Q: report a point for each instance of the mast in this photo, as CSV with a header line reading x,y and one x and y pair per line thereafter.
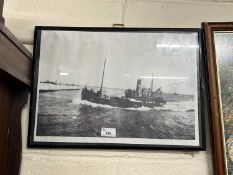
x,y
102,78
152,83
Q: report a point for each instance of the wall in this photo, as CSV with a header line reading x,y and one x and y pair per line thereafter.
x,y
21,17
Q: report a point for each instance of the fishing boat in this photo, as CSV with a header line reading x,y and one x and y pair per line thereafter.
x,y
132,99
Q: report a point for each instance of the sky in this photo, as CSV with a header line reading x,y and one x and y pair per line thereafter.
x,y
224,46
78,57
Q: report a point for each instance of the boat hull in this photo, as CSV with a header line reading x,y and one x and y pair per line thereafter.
x,y
96,97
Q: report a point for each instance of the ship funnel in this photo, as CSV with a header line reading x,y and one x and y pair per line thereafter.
x,y
139,88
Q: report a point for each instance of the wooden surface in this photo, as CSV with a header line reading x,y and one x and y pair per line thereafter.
x,y
12,99
5,101
216,117
15,80
15,59
2,20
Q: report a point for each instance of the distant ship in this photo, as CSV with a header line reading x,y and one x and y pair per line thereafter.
x,y
133,98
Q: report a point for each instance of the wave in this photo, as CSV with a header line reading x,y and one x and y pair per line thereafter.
x,y
95,105
185,106
143,108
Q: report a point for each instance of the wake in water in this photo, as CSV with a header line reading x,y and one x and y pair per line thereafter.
x,y
94,105
185,106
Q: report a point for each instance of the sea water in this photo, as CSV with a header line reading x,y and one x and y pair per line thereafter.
x,y
63,113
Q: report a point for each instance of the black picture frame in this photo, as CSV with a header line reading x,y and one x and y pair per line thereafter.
x,y
200,88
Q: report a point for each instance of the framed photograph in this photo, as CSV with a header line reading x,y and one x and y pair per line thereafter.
x,y
117,88
219,44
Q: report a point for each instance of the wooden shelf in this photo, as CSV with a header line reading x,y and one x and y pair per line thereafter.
x,y
15,82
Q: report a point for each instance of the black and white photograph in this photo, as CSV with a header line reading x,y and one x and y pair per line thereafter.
x,y
116,87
